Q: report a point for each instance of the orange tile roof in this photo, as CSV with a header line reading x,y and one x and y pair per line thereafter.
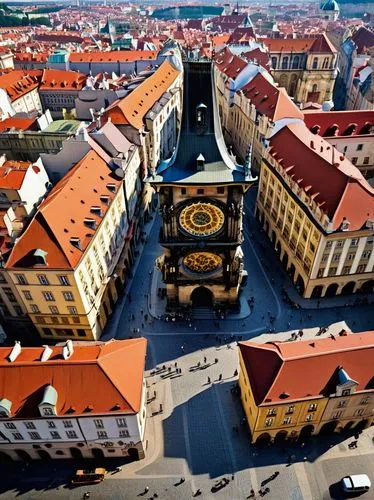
x,y
18,124
114,56
99,375
28,56
318,44
270,100
61,216
338,186
18,83
288,371
133,108
12,174
54,79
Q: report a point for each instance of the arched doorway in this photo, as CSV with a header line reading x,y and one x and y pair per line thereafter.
x,y
367,287
263,440
348,426
280,437
317,292
133,453
331,290
202,297
306,432
285,261
361,425
44,455
348,288
23,455
328,428
97,453
5,458
76,453
300,285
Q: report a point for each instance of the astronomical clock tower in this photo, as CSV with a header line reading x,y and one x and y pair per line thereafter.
x,y
201,203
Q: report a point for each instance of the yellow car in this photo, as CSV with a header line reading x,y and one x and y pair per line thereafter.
x,y
90,476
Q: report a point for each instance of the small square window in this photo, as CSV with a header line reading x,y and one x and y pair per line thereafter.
x,y
183,190
221,190
200,191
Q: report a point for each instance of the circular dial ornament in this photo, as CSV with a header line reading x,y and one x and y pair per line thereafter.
x,y
201,219
202,262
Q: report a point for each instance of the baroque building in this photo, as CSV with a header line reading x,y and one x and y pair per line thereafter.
x,y
44,415
201,197
282,403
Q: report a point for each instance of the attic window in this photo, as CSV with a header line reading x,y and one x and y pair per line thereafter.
x,y
91,223
76,242
111,187
105,199
96,210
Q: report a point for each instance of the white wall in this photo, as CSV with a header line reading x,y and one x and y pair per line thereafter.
x,y
34,186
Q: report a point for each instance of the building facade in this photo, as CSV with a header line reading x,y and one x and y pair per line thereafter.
x,y
350,132
79,420
68,284
305,67
282,404
318,211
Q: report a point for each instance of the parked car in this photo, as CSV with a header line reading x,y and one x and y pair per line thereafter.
x,y
358,483
90,476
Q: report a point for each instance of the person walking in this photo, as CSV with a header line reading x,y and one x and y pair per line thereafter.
x,y
220,377
235,373
208,380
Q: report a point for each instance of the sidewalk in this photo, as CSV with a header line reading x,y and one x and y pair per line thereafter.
x,y
113,322
274,268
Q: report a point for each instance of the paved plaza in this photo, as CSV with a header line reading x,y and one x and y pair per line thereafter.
x,y
192,438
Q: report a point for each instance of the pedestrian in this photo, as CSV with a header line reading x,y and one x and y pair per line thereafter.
x,y
235,373
208,380
204,359
220,377
176,364
169,369
215,360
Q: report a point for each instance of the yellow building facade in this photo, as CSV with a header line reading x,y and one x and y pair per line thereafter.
x,y
69,266
331,401
321,260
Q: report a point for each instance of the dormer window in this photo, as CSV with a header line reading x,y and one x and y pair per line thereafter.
x,y
47,406
91,223
105,199
5,408
76,242
345,386
111,187
96,211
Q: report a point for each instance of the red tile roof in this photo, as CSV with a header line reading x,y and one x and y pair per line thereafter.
x,y
54,79
12,174
18,124
257,55
336,184
241,35
114,56
98,375
289,371
228,63
269,100
61,216
18,82
133,108
319,44
340,123
364,39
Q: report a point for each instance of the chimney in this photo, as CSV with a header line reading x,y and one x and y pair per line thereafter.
x,y
68,349
46,354
16,351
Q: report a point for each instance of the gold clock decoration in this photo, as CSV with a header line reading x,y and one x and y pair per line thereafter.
x,y
202,262
201,219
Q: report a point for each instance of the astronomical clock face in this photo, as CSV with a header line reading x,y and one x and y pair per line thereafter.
x,y
202,262
201,219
